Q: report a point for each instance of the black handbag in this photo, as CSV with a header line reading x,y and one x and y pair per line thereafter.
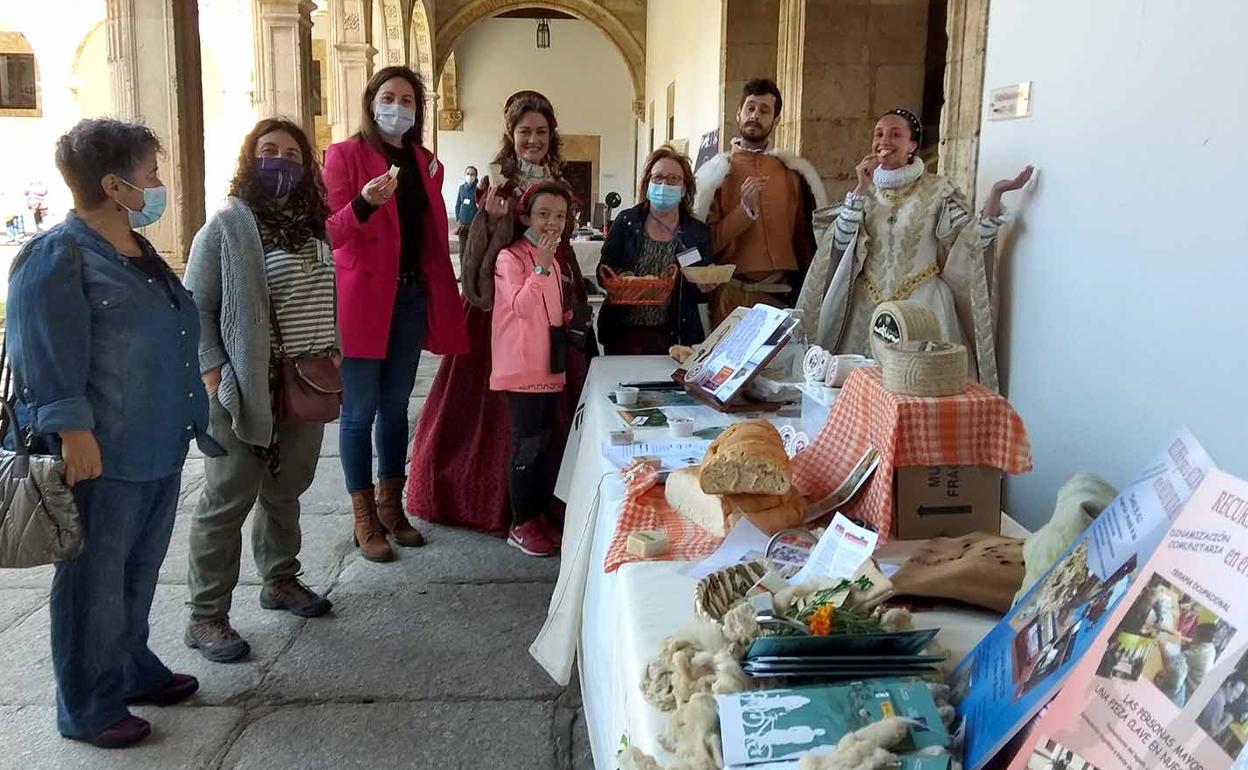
x,y
39,521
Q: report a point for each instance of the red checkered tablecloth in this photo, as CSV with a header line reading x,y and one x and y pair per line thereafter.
x,y
978,427
644,508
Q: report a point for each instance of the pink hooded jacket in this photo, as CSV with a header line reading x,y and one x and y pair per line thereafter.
x,y
526,306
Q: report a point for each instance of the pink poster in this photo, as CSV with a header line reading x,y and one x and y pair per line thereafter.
x,y
1165,683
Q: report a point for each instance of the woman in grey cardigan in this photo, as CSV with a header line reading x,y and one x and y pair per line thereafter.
x,y
263,256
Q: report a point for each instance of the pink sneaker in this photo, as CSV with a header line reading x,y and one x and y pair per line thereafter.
x,y
531,538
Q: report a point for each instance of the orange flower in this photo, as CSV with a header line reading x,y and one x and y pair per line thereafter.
x,y
820,623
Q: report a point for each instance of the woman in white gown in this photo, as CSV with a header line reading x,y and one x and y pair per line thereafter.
x,y
902,234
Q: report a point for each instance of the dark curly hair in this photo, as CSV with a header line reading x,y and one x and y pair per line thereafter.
x,y
97,147
308,195
508,161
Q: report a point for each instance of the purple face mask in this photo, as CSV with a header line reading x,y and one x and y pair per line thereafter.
x,y
278,175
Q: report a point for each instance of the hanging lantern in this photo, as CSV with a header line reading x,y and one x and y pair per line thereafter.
x,y
543,33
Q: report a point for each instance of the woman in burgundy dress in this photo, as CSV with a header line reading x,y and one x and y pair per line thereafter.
x,y
461,449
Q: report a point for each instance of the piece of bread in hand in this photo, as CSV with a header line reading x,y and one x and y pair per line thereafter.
x,y
747,458
770,513
680,353
684,493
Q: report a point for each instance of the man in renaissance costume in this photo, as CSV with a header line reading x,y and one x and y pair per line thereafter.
x,y
758,202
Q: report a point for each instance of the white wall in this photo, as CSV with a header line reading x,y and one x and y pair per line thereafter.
x,y
582,73
1125,313
683,47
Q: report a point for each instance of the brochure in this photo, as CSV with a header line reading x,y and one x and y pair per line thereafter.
x,y
673,455
1165,685
842,549
764,726
1016,669
735,351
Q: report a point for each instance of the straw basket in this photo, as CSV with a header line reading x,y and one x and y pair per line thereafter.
x,y
719,591
901,321
923,368
629,289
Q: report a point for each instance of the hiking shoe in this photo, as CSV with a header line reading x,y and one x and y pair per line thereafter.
x,y
177,689
216,640
293,596
531,538
126,731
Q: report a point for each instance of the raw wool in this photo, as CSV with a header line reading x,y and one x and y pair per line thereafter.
x,y
741,626
692,734
696,659
897,619
865,749
1079,501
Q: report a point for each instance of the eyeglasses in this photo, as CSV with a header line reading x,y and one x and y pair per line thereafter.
x,y
678,181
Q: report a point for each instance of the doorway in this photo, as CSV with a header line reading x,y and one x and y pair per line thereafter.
x,y
580,175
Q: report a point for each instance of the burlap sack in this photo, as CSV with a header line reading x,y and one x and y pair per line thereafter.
x,y
979,569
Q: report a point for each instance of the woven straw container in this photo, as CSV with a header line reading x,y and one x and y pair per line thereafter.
x,y
923,368
716,593
902,321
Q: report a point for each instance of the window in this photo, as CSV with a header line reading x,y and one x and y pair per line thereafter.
x,y
671,112
19,94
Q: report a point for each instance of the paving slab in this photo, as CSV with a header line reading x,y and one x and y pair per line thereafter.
x,y
26,663
448,736
450,556
582,752
326,539
17,603
444,642
181,737
35,577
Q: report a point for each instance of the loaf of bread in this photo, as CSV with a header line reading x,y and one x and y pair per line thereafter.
x,y
770,513
748,458
684,493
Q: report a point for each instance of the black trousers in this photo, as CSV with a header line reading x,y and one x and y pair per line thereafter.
x,y
527,479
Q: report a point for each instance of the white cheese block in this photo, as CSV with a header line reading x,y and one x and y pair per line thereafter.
x,y
684,493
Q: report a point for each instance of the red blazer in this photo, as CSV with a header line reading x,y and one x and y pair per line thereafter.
x,y
366,255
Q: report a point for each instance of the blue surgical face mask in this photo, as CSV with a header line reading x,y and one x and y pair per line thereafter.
x,y
393,120
663,197
532,236
153,205
279,176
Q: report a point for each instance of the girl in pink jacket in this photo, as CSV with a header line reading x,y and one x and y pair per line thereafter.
x,y
528,347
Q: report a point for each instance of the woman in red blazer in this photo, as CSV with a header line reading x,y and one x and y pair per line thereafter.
x,y
396,294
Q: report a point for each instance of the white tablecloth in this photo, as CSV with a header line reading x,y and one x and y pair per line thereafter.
x,y
587,255
615,622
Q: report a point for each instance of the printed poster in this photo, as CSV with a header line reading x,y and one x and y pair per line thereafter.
x,y
1166,685
1023,661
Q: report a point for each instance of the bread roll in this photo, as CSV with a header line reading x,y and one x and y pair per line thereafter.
x,y
685,495
680,353
748,458
770,513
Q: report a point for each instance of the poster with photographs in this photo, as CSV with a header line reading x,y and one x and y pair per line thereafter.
x,y
1167,685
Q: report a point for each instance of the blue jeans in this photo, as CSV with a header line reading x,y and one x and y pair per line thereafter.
x,y
377,390
100,602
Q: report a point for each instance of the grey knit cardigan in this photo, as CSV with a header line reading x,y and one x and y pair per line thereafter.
x,y
226,274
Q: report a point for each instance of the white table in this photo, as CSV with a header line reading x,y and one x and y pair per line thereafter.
x,y
615,622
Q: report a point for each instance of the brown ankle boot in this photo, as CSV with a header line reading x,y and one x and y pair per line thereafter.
x,y
390,512
370,538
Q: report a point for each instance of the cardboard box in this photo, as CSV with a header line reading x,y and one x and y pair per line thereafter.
x,y
946,501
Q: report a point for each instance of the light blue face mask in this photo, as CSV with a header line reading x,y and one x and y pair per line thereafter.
x,y
393,120
154,200
663,196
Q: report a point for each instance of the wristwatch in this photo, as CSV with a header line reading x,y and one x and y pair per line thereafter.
x,y
539,270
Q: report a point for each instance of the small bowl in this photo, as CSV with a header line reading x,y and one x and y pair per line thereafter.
x,y
626,395
681,427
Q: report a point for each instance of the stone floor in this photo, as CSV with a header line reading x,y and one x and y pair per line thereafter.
x,y
423,663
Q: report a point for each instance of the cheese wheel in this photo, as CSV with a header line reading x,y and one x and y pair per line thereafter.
x,y
900,321
923,368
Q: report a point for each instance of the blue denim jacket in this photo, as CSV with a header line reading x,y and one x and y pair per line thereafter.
x,y
96,344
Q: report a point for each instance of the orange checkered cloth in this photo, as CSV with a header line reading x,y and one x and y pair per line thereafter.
x,y
977,427
644,508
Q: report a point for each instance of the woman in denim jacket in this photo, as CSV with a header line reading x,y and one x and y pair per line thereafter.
x,y
104,343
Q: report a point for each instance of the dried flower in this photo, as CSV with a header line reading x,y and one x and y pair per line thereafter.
x,y
820,622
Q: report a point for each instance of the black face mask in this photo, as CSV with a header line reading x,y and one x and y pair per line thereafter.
x,y
279,176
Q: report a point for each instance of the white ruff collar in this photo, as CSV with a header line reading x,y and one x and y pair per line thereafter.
x,y
887,179
532,171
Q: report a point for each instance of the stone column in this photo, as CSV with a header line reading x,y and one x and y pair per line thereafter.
x,y
154,61
841,63
351,64
751,28
283,49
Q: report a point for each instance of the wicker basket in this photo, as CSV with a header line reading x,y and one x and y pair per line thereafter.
x,y
719,591
629,289
923,368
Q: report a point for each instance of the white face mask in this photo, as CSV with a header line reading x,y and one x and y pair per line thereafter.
x,y
393,120
470,179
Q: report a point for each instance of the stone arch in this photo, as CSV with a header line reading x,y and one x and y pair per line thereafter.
x,y
388,36
628,45
90,68
420,57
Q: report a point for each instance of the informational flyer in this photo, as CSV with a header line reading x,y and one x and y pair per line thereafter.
x,y
839,553
1023,661
1166,682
